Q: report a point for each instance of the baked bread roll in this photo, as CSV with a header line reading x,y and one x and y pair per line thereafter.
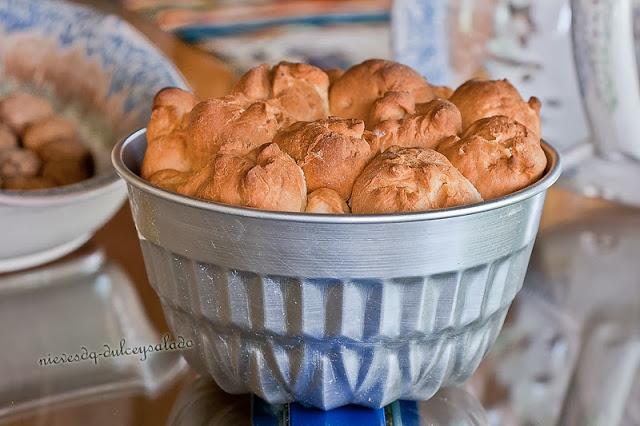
x,y
8,139
20,109
410,179
272,144
19,162
299,90
65,172
47,130
498,155
422,126
442,92
169,179
166,135
188,142
334,74
331,152
478,99
64,150
353,94
326,201
273,182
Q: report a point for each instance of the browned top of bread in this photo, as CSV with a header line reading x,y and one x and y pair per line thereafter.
x,y
187,141
272,182
166,133
299,90
352,94
271,144
20,109
478,99
331,152
326,201
410,179
47,130
423,126
498,155
391,106
334,74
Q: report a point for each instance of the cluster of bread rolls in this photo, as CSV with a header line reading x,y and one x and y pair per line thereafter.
x,y
377,138
38,149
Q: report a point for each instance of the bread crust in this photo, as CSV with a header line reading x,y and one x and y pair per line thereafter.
x,y
477,99
423,126
20,109
272,144
46,130
498,155
410,179
326,201
353,93
300,91
331,152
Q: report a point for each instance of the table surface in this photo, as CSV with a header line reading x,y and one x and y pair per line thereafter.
x,y
208,77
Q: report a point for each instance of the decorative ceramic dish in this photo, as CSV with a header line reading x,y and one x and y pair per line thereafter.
x,y
100,73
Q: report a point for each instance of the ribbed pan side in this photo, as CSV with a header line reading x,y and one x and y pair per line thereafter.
x,y
330,342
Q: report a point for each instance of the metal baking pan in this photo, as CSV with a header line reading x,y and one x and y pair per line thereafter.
x,y
329,310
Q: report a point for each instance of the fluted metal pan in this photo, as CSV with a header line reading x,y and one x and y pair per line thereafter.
x,y
329,310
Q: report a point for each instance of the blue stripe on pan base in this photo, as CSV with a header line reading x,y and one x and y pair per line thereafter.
x,y
351,415
400,413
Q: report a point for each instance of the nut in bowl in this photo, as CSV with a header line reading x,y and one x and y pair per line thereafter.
x,y
401,297
72,82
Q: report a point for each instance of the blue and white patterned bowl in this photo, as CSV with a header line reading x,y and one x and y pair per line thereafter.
x,y
102,74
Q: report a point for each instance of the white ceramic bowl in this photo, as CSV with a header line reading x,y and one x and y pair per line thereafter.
x,y
104,74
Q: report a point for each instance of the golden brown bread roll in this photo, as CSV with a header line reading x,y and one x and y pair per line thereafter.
x,y
170,179
299,90
331,152
425,126
19,162
223,126
498,155
442,92
229,125
8,139
170,105
65,172
255,127
64,150
326,201
220,181
352,95
410,179
272,182
391,106
275,183
166,138
334,74
20,109
271,141
478,99
47,130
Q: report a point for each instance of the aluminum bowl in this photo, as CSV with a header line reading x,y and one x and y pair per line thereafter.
x,y
329,310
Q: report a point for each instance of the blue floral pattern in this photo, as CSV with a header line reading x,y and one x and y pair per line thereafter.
x,y
137,69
